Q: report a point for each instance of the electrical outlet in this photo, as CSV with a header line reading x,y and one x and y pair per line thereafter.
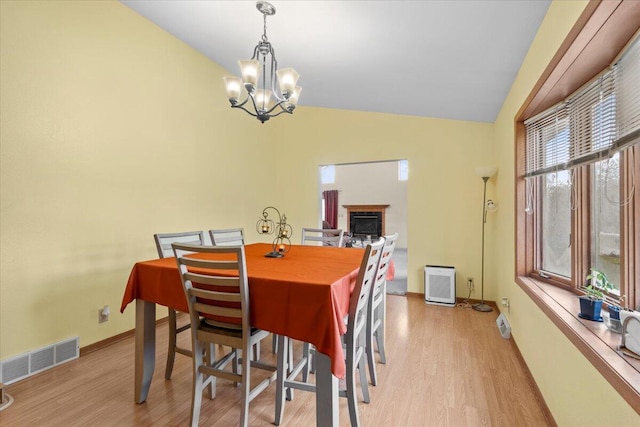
x,y
470,283
506,303
103,314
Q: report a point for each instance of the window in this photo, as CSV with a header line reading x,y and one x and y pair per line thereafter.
x,y
403,170
582,174
605,218
555,217
328,174
599,36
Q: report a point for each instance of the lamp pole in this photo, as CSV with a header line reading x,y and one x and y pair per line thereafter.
x,y
482,306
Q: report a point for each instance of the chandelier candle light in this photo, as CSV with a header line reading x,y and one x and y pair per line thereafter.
x,y
283,231
485,173
259,79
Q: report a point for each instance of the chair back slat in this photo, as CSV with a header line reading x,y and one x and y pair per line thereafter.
x,y
227,237
211,264
327,236
383,265
217,311
221,292
165,240
364,282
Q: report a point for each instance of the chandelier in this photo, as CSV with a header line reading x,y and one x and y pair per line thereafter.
x,y
259,73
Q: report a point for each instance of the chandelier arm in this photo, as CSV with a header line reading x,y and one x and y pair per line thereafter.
x,y
242,108
255,51
236,105
281,112
273,108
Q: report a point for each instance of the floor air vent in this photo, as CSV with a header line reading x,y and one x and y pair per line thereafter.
x,y
27,364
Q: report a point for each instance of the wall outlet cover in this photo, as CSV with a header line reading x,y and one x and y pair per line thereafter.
x,y
503,326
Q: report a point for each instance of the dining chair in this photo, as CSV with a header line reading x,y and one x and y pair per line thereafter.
x,y
232,237
354,343
227,237
326,236
376,309
215,284
163,245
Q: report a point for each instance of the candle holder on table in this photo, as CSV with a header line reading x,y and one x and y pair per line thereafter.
x,y
282,230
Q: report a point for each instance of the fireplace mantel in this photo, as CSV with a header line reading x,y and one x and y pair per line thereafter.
x,y
365,208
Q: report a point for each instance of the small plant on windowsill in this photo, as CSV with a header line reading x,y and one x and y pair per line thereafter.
x,y
591,303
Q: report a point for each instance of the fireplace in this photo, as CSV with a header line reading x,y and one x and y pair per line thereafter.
x,y
366,220
365,224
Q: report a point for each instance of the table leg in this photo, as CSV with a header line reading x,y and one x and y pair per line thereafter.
x,y
327,408
145,348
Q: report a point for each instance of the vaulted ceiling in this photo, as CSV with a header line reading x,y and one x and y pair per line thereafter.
x,y
444,59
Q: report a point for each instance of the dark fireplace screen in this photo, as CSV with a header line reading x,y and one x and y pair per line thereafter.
x,y
365,224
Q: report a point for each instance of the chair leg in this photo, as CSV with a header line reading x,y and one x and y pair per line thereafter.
x,y
246,387
234,362
364,385
210,356
306,353
361,361
382,314
171,352
351,388
282,374
256,352
290,365
371,359
274,343
198,385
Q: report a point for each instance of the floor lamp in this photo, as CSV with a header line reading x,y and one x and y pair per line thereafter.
x,y
485,173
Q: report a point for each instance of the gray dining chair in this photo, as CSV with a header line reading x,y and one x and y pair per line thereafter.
x,y
354,343
163,245
322,236
227,237
219,314
377,307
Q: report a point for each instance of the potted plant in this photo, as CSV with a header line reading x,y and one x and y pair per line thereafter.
x,y
614,309
591,303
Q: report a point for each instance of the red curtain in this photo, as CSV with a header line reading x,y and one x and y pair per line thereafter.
x,y
331,207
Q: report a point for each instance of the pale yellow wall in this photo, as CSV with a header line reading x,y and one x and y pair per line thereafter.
x,y
575,392
444,195
112,130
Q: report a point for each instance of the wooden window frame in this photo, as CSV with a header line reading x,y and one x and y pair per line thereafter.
x,y
600,34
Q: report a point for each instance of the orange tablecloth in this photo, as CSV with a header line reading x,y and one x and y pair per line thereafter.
x,y
304,295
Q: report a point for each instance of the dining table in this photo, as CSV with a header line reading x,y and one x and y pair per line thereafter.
x,y
303,295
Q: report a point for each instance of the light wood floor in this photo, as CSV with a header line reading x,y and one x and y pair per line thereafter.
x,y
446,367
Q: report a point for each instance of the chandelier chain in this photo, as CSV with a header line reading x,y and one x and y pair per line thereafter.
x,y
264,35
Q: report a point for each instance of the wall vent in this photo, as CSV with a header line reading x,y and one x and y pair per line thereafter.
x,y
27,364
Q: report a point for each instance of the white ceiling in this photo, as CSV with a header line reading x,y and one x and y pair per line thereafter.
x,y
451,59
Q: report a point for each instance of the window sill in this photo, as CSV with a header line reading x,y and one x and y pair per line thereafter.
x,y
597,343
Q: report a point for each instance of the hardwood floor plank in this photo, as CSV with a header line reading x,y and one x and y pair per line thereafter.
x,y
445,367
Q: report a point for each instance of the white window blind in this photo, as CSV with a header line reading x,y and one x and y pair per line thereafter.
x,y
628,95
594,123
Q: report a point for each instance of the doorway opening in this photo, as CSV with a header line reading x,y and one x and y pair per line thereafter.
x,y
365,200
